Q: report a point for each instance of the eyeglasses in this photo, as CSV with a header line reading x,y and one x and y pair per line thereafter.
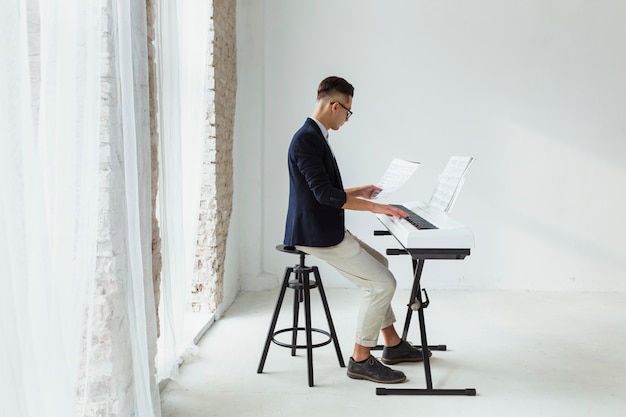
x,y
347,109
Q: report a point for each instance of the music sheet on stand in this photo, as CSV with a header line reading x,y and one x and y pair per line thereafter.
x,y
396,175
450,182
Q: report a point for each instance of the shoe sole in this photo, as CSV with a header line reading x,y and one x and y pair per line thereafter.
x,y
380,381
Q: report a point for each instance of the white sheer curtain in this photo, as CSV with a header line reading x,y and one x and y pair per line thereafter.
x,y
183,69
129,26
49,114
51,52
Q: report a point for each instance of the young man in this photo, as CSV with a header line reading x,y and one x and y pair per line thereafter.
x,y
315,225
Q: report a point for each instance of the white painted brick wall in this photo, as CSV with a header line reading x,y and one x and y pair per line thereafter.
x,y
217,176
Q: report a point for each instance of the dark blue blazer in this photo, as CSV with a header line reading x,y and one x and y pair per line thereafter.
x,y
316,195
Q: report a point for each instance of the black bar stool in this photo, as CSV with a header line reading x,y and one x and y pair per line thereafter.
x,y
301,285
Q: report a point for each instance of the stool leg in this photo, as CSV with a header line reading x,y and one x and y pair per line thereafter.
x,y
333,334
279,303
297,298
309,336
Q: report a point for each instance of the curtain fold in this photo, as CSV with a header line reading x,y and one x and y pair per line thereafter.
x,y
172,303
182,73
48,193
131,143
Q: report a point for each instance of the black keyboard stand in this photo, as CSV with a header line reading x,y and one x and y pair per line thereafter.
x,y
418,304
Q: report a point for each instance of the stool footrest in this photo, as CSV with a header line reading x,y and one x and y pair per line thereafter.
x,y
292,346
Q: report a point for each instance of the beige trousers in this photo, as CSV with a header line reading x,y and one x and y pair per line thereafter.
x,y
367,268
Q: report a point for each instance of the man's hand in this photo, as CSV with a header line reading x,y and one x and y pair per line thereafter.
x,y
389,211
358,198
364,191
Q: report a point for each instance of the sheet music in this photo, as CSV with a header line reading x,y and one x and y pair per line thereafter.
x,y
450,182
397,174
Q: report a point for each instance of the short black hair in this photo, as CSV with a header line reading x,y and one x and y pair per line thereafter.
x,y
333,84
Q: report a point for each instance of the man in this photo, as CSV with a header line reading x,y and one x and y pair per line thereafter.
x,y
315,225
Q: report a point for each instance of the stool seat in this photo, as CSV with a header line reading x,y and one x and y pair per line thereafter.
x,y
302,285
289,249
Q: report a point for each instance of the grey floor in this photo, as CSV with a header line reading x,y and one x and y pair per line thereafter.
x,y
526,354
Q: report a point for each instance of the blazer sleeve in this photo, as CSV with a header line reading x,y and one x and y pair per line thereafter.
x,y
318,167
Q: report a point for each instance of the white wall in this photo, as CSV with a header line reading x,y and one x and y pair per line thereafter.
x,y
535,90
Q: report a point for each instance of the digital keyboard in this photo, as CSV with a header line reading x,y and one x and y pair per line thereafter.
x,y
435,228
414,219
